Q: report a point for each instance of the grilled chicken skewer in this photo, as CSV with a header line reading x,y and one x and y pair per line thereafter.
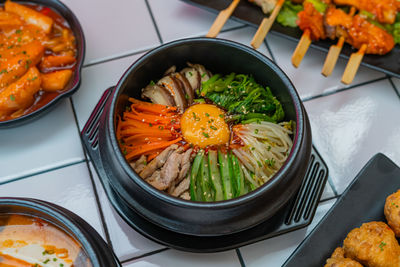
x,y
359,33
334,52
384,10
311,22
221,19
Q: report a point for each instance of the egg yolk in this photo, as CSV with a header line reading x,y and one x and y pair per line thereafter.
x,y
204,125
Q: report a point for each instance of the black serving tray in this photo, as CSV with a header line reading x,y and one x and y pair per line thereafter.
x,y
363,201
252,15
298,213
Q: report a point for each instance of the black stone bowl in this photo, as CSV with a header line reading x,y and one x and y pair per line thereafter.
x,y
73,85
198,218
96,250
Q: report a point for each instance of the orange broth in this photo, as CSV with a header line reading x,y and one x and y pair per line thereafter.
x,y
18,231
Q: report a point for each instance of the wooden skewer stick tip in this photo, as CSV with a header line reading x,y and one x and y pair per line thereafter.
x,y
332,57
265,26
353,65
301,48
221,19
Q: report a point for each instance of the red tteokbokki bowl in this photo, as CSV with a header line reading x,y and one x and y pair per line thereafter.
x,y
42,48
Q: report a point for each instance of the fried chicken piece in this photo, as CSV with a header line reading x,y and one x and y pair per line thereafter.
x,y
358,31
338,260
384,10
373,245
392,212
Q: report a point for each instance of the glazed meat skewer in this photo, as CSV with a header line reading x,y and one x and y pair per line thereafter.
x,y
384,10
335,23
359,33
334,52
311,22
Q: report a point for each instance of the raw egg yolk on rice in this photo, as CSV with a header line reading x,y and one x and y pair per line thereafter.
x,y
204,125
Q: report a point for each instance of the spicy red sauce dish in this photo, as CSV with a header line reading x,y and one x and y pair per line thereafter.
x,y
41,54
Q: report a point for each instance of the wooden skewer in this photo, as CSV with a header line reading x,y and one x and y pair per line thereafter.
x,y
332,57
301,48
353,64
221,19
265,26
334,52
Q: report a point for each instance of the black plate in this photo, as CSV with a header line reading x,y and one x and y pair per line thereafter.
x,y
252,15
73,85
363,201
298,213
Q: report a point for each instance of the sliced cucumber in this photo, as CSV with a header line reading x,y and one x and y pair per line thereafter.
x,y
193,175
223,160
215,177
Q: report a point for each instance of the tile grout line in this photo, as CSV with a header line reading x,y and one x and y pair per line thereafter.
x,y
329,198
148,49
99,206
343,89
394,87
240,257
234,28
43,171
96,195
154,21
332,185
270,50
145,255
117,57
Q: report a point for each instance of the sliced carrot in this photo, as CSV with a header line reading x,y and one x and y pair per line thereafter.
x,y
147,118
153,155
186,146
139,139
151,107
145,148
163,136
135,123
159,133
147,129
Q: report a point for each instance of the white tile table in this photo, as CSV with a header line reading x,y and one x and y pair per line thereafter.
x,y
347,124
